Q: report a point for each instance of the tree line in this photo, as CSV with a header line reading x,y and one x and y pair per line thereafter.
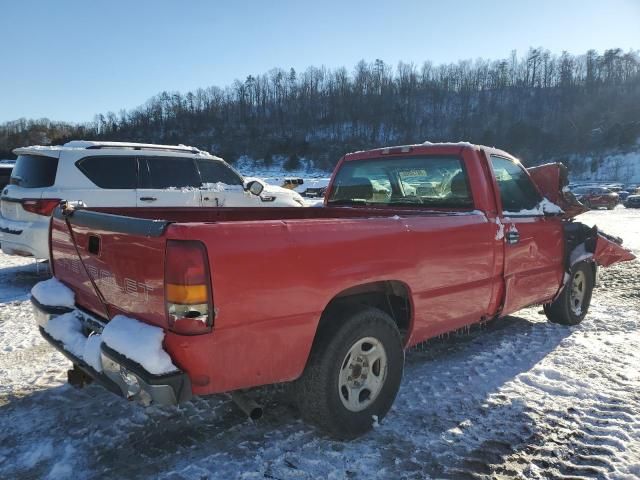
x,y
536,105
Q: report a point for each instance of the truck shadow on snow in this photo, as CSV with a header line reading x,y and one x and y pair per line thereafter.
x,y
450,419
16,281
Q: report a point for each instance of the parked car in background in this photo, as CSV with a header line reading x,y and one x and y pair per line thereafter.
x,y
622,195
308,187
315,192
633,200
597,197
6,166
315,188
291,183
114,174
619,189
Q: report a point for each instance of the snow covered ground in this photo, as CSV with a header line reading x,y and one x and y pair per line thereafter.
x,y
519,397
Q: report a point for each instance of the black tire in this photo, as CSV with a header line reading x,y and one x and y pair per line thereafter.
x,y
318,390
564,309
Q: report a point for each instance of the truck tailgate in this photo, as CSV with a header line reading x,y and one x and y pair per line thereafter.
x,y
124,257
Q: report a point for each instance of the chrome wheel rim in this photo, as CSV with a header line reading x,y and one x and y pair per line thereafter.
x,y
578,291
362,374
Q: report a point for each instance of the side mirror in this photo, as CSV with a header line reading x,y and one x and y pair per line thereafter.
x,y
255,187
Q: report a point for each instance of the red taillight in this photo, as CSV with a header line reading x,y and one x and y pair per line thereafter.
x,y
187,288
40,206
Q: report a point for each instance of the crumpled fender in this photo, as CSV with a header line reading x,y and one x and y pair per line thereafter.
x,y
552,179
589,244
608,251
592,244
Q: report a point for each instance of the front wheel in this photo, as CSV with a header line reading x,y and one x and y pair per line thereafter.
x,y
572,304
353,374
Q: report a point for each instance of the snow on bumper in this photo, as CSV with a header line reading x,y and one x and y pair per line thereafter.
x,y
54,293
124,355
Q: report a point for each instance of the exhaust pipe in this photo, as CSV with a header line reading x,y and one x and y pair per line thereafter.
x,y
249,406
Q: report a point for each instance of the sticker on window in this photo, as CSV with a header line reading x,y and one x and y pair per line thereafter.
x,y
405,174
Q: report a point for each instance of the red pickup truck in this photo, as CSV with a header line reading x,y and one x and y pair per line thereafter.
x,y
159,304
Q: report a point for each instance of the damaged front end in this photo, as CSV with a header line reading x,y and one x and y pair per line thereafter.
x,y
589,243
609,250
552,179
582,242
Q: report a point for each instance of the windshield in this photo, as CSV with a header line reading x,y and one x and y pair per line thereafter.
x,y
432,181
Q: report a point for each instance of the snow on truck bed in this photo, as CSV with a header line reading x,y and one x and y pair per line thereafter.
x,y
519,398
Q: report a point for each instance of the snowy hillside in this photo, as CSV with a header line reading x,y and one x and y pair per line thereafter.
x,y
608,167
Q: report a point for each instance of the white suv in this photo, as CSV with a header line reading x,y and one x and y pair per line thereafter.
x,y
114,174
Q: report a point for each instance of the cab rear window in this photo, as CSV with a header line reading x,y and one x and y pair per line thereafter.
x,y
425,181
34,171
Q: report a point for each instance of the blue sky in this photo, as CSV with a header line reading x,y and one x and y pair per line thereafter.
x,y
68,60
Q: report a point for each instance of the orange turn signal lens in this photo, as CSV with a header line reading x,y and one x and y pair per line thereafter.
x,y
186,294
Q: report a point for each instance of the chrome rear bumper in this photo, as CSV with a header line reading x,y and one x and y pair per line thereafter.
x,y
119,374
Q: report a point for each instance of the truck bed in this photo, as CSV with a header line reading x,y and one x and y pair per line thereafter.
x,y
273,272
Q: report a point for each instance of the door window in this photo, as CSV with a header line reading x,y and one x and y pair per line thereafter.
x,y
214,171
517,191
110,172
167,172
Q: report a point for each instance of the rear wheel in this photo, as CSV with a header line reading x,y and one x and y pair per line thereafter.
x,y
353,374
572,304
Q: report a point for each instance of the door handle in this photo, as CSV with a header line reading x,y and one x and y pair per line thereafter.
x,y
512,237
93,245
148,199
